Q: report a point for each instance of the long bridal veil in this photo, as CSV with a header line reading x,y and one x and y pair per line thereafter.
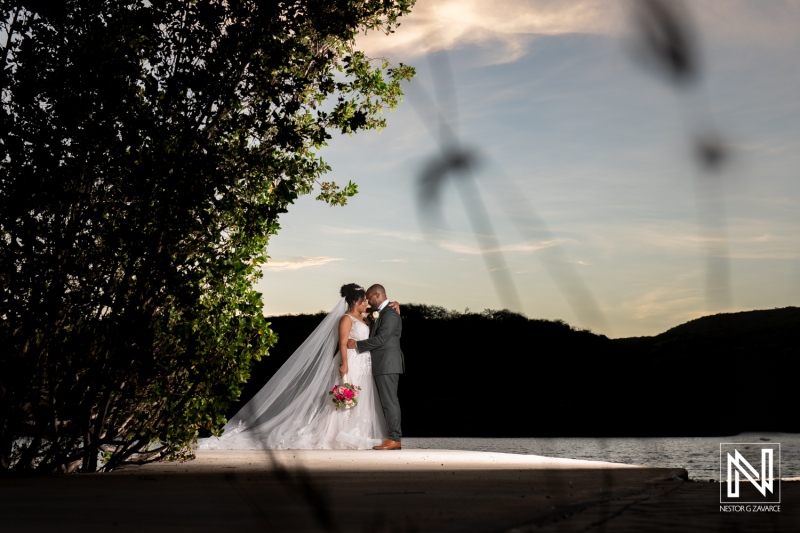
x,y
286,406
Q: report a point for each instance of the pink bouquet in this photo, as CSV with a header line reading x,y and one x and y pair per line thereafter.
x,y
345,395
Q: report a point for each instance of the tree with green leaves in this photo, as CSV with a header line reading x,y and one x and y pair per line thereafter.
x,y
147,150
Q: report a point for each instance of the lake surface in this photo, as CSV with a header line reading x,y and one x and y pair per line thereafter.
x,y
700,456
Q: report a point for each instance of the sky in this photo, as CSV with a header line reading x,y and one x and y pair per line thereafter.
x,y
585,169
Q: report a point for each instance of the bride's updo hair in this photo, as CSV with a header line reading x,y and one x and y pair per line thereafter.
x,y
352,293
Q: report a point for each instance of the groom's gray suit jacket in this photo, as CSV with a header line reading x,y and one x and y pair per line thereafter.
x,y
384,343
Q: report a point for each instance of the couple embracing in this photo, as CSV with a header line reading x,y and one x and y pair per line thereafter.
x,y
294,410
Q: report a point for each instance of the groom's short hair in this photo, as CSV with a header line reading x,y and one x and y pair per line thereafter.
x,y
377,288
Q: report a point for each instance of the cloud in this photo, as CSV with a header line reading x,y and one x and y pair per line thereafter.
x,y
771,24
509,26
467,249
673,304
448,245
401,235
445,24
394,260
764,147
298,263
749,239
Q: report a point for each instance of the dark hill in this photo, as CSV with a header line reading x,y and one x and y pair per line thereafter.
x,y
496,373
500,374
736,366
762,328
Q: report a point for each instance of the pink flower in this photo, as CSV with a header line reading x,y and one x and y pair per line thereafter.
x,y
344,395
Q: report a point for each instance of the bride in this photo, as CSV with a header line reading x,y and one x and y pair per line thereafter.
x,y
294,410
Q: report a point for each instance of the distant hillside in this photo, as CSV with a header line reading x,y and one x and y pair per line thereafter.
x,y
762,327
736,369
736,340
497,373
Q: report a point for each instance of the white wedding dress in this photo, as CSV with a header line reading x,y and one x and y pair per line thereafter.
x,y
294,410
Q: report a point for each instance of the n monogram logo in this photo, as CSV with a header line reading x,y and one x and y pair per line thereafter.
x,y
735,465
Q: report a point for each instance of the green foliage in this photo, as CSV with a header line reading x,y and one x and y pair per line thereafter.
x,y
147,150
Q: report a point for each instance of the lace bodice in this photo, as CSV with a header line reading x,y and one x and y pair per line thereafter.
x,y
359,331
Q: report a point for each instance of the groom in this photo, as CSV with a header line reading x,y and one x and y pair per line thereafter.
x,y
387,360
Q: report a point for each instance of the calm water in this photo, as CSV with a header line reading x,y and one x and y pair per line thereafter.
x,y
698,455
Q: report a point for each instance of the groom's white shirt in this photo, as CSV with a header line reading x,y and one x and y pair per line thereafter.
x,y
384,304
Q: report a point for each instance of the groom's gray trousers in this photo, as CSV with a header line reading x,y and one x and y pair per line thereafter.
x,y
387,391
387,364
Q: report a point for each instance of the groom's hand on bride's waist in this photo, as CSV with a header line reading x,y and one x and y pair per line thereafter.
x,y
351,344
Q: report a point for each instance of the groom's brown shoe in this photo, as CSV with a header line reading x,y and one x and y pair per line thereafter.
x,y
388,444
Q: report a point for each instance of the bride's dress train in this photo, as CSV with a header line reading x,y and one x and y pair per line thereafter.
x,y
294,410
